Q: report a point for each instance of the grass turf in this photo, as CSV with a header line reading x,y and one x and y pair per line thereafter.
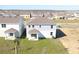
x,y
45,46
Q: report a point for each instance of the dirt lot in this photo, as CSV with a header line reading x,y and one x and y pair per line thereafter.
x,y
70,40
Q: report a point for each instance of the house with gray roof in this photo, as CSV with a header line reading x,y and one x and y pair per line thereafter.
x,y
40,27
11,27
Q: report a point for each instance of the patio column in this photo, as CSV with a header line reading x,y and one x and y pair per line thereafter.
x,y
37,36
6,36
14,35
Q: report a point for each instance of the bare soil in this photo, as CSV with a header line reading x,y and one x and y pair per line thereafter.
x,y
70,40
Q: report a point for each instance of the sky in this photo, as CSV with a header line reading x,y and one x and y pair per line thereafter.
x,y
40,4
41,7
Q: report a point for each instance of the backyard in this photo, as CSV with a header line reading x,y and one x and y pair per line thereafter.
x,y
70,40
45,46
70,37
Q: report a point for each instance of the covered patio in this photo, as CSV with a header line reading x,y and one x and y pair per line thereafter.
x,y
33,34
11,34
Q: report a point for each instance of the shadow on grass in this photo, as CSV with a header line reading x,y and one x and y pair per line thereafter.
x,y
24,34
60,34
42,38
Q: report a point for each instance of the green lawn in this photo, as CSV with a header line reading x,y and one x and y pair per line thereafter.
x,y
45,46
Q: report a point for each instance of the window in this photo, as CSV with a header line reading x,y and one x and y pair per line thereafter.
x,y
3,25
51,33
40,26
51,26
11,34
34,35
32,26
29,26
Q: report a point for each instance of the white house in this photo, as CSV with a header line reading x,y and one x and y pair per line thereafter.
x,y
11,27
40,27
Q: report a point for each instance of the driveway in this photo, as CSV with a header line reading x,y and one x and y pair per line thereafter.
x,y
70,40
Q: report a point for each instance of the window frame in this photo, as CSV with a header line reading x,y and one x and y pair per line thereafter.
x,y
10,34
33,26
34,35
29,26
3,25
51,33
40,26
51,26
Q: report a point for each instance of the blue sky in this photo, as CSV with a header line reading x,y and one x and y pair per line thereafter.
x,y
48,7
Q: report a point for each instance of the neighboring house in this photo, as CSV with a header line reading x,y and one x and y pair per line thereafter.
x,y
40,27
24,14
36,14
11,27
59,15
70,17
76,15
48,14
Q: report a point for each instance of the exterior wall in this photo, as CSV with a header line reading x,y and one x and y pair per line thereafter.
x,y
54,31
26,16
73,18
7,37
44,31
56,17
32,38
8,26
